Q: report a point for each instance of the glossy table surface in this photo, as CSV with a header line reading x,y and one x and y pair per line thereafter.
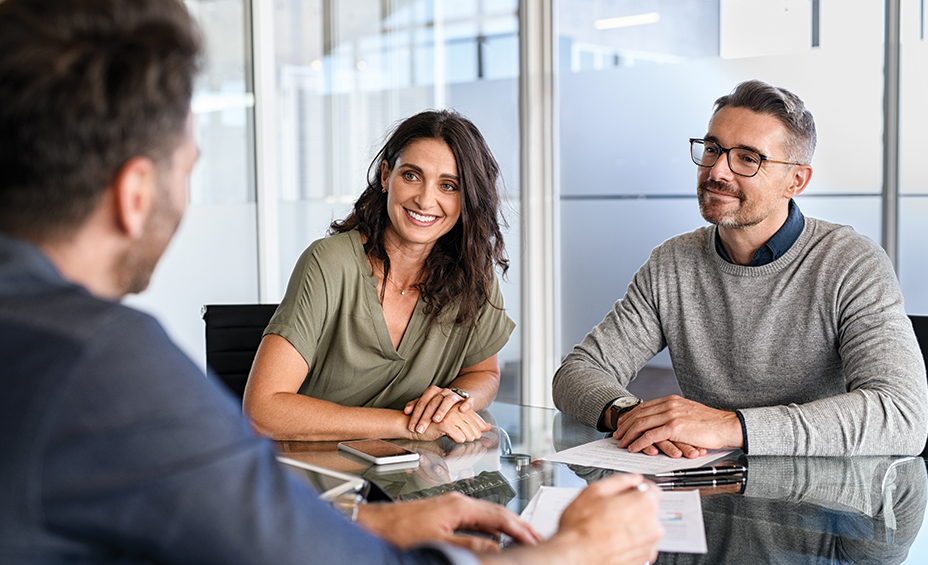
x,y
791,510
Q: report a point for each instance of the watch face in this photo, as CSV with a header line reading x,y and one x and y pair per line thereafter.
x,y
626,402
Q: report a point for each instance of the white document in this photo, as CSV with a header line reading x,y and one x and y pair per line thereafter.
x,y
680,513
606,454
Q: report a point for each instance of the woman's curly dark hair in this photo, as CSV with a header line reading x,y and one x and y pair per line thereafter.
x,y
462,261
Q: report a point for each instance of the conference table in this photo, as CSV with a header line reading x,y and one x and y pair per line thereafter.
x,y
790,509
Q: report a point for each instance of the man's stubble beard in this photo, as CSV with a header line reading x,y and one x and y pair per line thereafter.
x,y
138,264
732,220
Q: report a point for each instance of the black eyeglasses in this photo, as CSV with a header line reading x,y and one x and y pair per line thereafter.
x,y
742,162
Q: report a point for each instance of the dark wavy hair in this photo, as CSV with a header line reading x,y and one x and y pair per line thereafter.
x,y
85,86
462,261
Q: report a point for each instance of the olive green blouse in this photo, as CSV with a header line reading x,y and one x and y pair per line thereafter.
x,y
331,313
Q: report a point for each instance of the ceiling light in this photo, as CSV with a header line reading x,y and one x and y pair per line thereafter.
x,y
627,21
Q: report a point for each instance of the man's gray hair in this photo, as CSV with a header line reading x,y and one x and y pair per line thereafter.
x,y
763,98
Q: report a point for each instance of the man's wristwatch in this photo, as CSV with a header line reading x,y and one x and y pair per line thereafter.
x,y
620,406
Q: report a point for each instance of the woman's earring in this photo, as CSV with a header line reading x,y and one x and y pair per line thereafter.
x,y
383,190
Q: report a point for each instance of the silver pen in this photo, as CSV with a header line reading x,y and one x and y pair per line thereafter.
x,y
698,483
704,471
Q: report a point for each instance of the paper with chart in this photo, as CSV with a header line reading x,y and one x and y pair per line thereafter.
x,y
680,513
606,454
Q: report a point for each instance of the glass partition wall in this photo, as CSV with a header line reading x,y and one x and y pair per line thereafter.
x,y
913,172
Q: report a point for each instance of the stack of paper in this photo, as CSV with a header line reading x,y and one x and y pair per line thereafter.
x,y
606,454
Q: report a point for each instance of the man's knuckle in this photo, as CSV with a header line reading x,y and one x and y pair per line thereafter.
x,y
650,436
675,426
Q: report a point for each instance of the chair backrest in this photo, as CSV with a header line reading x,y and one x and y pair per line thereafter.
x,y
233,333
920,325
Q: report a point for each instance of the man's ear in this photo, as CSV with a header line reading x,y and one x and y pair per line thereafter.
x,y
799,180
134,191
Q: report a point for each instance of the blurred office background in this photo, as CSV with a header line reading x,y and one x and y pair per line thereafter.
x,y
587,105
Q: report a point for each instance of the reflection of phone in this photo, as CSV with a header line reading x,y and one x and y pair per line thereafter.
x,y
395,467
379,451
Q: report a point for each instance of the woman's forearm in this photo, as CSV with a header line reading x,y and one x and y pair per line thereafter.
x,y
295,417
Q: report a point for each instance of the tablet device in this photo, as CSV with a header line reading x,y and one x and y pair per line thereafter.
x,y
378,451
328,483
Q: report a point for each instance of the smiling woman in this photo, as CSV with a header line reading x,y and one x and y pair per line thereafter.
x,y
390,327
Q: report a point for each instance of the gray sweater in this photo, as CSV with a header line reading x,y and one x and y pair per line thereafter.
x,y
815,349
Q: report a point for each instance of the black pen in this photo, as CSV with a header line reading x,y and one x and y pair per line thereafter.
x,y
697,483
704,471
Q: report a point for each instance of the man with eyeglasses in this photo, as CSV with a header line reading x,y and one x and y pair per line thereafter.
x,y
787,334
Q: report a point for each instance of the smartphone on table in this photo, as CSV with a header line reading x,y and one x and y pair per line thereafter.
x,y
378,451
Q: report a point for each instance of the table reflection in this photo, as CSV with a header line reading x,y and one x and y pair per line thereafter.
x,y
790,510
801,509
816,510
472,468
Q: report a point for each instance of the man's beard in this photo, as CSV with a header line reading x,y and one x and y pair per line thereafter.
x,y
714,216
139,263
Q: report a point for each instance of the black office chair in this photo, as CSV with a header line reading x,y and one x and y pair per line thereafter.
x,y
920,325
233,332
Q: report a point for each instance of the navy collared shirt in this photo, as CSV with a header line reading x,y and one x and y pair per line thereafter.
x,y
777,245
117,449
